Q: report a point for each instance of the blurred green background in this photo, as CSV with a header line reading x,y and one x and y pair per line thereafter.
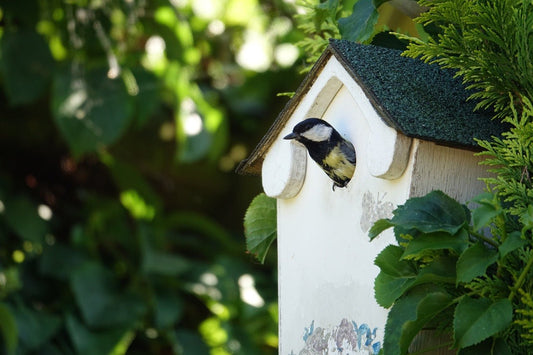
x,y
121,123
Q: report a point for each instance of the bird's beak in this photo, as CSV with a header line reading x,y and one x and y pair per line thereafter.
x,y
291,135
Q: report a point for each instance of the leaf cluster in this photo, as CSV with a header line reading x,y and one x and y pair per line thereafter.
x,y
337,19
510,158
487,42
449,272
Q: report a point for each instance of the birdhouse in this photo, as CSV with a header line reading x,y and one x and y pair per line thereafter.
x,y
413,132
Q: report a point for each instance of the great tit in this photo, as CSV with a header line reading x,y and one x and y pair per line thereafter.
x,y
334,154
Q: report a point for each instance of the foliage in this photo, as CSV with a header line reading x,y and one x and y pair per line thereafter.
x,y
351,20
120,125
487,42
445,273
510,158
260,226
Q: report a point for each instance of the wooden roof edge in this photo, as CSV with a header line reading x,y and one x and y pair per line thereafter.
x,y
253,163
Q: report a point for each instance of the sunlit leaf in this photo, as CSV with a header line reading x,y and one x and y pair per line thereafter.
x,y
359,26
260,225
378,227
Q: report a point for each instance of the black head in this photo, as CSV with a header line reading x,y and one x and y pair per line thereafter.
x,y
311,129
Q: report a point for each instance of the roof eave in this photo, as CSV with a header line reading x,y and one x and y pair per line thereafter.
x,y
252,165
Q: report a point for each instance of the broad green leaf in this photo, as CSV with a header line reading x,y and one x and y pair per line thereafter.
x,y
513,241
409,314
8,330
26,65
441,270
87,342
100,302
483,215
35,328
90,109
168,309
359,26
389,261
190,342
435,212
387,288
158,262
378,227
260,225
21,216
474,262
59,261
436,241
429,306
145,88
477,319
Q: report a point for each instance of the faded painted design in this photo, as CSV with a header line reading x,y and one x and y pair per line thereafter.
x,y
345,339
374,208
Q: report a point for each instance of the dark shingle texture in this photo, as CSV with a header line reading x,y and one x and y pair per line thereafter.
x,y
418,99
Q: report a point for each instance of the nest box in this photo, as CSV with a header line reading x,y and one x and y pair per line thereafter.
x,y
413,131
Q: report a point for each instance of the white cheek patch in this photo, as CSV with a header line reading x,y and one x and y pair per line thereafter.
x,y
318,133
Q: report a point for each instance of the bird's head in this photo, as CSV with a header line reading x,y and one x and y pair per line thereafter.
x,y
311,129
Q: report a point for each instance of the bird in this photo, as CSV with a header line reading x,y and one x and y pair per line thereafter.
x,y
334,154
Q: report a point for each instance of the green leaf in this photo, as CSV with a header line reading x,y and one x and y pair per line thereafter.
x,y
513,241
26,66
488,210
35,328
436,241
474,262
477,319
435,212
21,216
90,109
389,261
441,270
359,26
59,261
100,302
88,343
387,288
8,329
168,309
378,227
410,314
260,225
162,263
429,306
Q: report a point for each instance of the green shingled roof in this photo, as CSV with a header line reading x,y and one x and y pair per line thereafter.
x,y
418,99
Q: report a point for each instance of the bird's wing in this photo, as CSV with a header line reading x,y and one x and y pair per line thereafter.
x,y
348,149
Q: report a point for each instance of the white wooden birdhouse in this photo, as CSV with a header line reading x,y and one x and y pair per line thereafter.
x,y
413,132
